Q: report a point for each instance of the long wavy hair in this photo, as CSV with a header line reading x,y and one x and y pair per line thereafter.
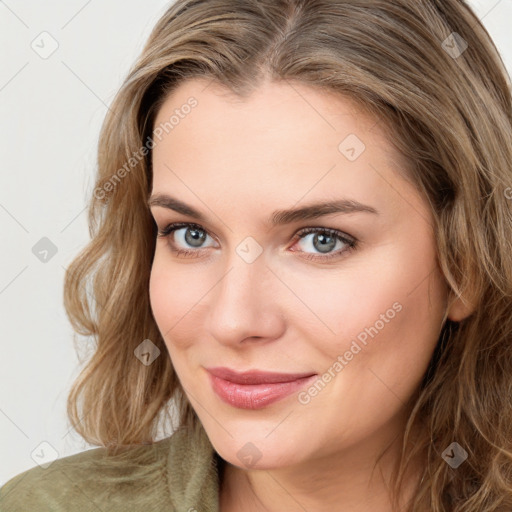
x,y
429,70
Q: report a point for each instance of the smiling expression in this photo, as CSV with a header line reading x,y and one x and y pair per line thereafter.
x,y
257,286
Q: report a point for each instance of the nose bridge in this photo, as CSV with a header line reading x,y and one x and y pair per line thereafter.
x,y
245,269
243,304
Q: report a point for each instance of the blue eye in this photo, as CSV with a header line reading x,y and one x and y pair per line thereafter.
x,y
326,239
193,235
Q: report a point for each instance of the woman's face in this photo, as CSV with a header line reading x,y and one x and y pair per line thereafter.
x,y
256,293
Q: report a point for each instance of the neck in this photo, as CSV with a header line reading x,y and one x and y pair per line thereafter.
x,y
354,479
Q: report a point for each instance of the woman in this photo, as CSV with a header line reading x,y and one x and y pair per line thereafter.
x,y
301,233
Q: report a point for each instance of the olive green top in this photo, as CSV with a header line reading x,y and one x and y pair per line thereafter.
x,y
176,474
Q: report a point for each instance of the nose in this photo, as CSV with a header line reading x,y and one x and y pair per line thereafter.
x,y
244,306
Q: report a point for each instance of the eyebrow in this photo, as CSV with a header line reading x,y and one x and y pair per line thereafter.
x,y
278,217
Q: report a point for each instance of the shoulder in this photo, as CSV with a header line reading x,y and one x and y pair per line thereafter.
x,y
179,472
88,480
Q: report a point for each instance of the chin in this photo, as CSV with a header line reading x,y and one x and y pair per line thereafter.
x,y
260,453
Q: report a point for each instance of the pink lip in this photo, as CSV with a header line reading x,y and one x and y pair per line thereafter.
x,y
255,389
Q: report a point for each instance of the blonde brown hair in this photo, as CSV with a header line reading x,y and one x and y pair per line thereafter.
x,y
449,112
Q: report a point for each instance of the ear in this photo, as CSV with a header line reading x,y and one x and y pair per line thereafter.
x,y
460,309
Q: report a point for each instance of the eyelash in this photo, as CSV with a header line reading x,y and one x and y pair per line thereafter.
x,y
351,242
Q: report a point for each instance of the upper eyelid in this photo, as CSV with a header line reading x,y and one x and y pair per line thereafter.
x,y
183,225
335,231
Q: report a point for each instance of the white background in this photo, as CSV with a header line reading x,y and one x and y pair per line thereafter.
x,y
51,111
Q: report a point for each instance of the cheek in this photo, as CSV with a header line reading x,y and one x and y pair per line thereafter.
x,y
174,295
178,294
386,312
159,293
389,302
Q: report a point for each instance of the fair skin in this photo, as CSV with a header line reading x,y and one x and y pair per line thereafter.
x,y
237,161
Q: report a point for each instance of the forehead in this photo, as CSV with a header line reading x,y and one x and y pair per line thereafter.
x,y
302,109
282,143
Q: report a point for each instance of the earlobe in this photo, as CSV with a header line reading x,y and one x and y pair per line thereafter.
x,y
460,309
